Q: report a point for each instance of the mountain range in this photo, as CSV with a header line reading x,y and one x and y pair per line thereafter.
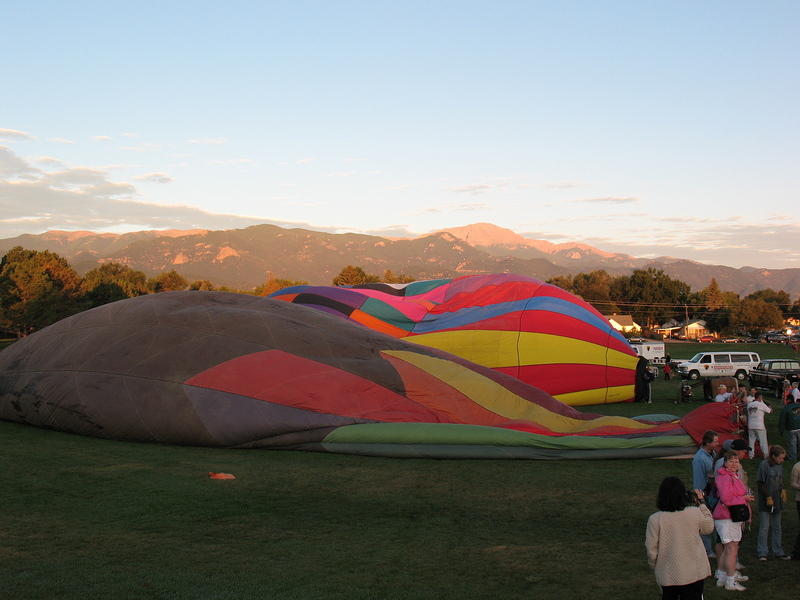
x,y
244,258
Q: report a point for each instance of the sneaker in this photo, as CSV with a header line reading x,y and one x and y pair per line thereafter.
x,y
739,565
734,586
784,557
762,558
739,577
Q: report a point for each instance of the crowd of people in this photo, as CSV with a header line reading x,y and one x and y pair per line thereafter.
x,y
693,527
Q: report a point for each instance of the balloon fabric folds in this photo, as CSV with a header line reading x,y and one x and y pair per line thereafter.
x,y
230,370
517,325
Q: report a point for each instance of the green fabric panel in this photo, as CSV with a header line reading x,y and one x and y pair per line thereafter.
x,y
420,287
457,434
499,452
387,314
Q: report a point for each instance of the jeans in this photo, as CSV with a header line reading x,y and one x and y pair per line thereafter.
x,y
793,443
769,522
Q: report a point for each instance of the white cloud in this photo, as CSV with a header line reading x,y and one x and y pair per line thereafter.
x,y
208,141
609,200
49,161
60,140
101,138
306,160
231,161
34,201
472,189
143,147
561,185
154,178
128,134
14,135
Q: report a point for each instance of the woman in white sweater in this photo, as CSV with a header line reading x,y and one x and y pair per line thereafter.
x,y
674,548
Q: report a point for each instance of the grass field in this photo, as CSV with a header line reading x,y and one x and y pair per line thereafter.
x,y
87,518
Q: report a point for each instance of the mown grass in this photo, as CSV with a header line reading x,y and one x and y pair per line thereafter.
x,y
87,518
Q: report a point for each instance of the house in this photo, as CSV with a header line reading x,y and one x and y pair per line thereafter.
x,y
623,323
690,330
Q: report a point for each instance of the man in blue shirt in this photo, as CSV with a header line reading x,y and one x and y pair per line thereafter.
x,y
702,471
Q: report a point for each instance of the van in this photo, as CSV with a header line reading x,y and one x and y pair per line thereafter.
x,y
719,364
653,351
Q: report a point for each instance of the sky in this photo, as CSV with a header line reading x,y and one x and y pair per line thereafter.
x,y
647,128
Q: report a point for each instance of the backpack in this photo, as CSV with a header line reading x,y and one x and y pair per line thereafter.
x,y
711,494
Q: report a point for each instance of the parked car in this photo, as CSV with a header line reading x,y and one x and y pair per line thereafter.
x,y
732,340
771,373
776,338
706,339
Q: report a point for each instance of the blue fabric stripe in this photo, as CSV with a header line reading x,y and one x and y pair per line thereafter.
x,y
466,316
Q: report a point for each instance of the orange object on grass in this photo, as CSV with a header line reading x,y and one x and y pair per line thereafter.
x,y
220,475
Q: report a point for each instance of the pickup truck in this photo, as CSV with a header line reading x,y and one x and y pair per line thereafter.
x,y
771,373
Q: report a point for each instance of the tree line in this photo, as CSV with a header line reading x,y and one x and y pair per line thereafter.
x,y
651,297
38,288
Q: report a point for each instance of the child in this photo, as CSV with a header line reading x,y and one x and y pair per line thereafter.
x,y
771,497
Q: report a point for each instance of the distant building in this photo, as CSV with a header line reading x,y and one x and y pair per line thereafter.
x,y
623,323
690,330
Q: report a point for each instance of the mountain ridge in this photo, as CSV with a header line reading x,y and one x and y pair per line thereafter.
x,y
244,258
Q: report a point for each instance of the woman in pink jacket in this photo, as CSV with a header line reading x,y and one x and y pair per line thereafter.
x,y
731,492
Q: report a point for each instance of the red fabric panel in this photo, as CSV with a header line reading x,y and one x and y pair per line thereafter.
x,y
544,321
715,416
564,378
283,378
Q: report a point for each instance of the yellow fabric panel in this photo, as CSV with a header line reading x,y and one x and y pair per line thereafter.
x,y
547,349
496,398
488,348
609,395
499,348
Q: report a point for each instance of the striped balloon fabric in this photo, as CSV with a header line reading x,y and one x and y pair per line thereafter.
x,y
517,325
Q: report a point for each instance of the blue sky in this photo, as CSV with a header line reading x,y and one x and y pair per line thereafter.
x,y
646,128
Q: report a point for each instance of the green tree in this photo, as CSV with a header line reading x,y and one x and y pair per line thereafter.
x,y
351,275
654,296
756,315
171,281
36,289
390,277
111,282
779,298
595,288
562,281
274,284
202,285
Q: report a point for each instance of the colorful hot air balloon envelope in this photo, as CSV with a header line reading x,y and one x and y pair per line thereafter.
x,y
230,370
516,325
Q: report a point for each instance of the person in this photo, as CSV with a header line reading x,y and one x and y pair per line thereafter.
x,y
770,503
755,424
794,483
667,371
674,550
723,395
742,450
731,492
703,475
789,425
795,392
